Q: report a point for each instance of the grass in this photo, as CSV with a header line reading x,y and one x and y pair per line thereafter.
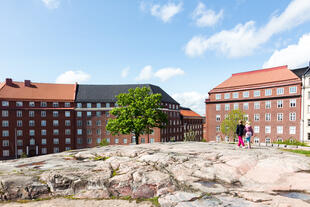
x,y
114,173
291,142
104,142
304,152
97,158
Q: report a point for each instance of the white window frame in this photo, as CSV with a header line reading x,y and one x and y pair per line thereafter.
x,y
280,91
268,92
268,129
235,95
256,93
246,94
293,89
218,96
279,129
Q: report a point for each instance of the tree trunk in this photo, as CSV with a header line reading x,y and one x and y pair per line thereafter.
x,y
137,138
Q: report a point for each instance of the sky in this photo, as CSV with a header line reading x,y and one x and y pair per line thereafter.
x,y
187,47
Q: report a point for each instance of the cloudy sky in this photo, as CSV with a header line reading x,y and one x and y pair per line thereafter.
x,y
187,47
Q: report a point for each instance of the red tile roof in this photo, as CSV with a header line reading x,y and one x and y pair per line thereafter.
x,y
189,113
38,91
269,75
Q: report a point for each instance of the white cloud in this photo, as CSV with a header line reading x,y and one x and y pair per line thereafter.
x,y
193,100
145,74
73,77
165,12
293,55
167,73
125,72
206,17
243,39
51,4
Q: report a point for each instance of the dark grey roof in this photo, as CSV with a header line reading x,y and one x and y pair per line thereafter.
x,y
107,93
300,71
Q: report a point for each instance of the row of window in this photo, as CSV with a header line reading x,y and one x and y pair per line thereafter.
x,y
32,104
256,139
256,129
292,117
6,153
256,93
257,105
90,113
6,133
116,140
5,113
5,143
31,123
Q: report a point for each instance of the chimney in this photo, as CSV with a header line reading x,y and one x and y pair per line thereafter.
x,y
8,81
27,83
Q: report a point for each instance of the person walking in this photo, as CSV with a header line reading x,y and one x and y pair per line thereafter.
x,y
240,132
248,131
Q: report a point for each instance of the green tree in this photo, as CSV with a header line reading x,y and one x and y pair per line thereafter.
x,y
189,136
229,124
139,111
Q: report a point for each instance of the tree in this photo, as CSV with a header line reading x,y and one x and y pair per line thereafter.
x,y
189,136
228,125
139,111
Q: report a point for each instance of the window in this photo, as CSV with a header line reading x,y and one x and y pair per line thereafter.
x,y
19,103
88,122
256,105
98,140
55,104
116,140
79,140
218,107
293,89
217,128
88,105
5,123
43,113
218,117
292,102
19,123
5,103
32,141
19,132
292,116
67,148
256,129
256,117
235,95
245,106
31,113
79,105
19,113
98,113
79,123
56,141
88,113
280,103
67,123
256,93
246,94
79,114
56,149
43,132
55,122
267,129
55,113
79,131
43,122
6,153
31,104
279,116
227,96
256,140
43,141
68,131
43,104
280,91
267,104
268,140
5,113
67,114
68,141
44,151
218,96
98,105
308,122
107,114
292,130
125,140
236,106
268,92
89,131
89,140
308,136
226,139
227,107
268,117
98,123
20,142
98,131
218,138
279,129
108,105
5,143
246,117
279,140
55,131
67,104
31,132
31,123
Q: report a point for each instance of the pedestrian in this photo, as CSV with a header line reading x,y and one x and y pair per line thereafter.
x,y
248,131
240,132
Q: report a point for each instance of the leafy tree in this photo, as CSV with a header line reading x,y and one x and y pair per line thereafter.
x,y
228,125
139,111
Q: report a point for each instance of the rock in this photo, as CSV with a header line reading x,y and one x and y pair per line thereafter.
x,y
145,191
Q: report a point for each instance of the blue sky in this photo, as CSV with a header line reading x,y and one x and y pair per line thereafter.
x,y
185,46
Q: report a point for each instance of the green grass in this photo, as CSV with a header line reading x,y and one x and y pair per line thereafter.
x,y
304,152
115,173
291,142
104,142
97,158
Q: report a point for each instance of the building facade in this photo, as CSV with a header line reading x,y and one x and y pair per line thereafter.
x,y
192,124
270,99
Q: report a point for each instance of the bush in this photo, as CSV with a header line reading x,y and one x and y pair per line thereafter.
x,y
23,155
291,142
104,142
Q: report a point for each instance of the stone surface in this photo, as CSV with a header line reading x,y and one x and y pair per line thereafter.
x,y
179,174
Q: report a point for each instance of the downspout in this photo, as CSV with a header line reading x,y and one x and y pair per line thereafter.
x,y
302,108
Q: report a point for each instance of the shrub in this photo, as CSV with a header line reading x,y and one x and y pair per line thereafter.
x,y
291,142
104,142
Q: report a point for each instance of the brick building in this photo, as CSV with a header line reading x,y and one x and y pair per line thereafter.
x,y
270,98
192,123
43,118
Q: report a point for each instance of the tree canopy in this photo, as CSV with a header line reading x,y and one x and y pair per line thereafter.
x,y
138,112
228,125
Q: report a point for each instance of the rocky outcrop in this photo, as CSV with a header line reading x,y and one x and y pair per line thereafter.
x,y
178,174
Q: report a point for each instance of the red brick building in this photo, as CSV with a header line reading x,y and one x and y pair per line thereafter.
x,y
192,123
270,98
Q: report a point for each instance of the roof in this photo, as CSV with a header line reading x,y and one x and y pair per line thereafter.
x,y
189,113
300,71
38,91
256,77
108,93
